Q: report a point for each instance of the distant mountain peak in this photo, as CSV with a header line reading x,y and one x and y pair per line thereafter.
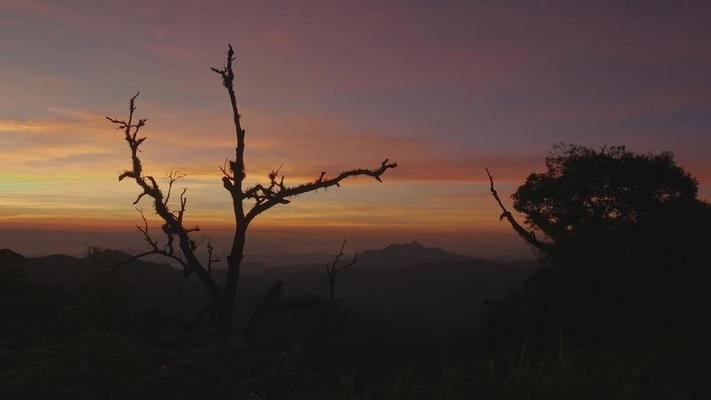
x,y
407,254
414,245
110,254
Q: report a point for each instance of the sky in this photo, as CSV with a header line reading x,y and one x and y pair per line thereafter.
x,y
444,88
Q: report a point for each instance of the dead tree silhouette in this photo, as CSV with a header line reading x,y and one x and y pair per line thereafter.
x,y
332,306
333,270
262,197
275,301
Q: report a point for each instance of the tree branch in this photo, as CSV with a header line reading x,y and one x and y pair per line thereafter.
x,y
528,236
173,177
278,193
173,223
233,181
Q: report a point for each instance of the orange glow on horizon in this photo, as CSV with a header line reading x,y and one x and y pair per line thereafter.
x,y
322,91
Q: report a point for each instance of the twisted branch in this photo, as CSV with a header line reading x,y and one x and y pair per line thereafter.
x,y
528,236
173,222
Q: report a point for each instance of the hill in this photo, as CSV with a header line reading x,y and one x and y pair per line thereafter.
x,y
407,254
408,283
9,257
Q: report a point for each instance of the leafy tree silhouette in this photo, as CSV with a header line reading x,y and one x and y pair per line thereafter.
x,y
623,239
261,197
587,194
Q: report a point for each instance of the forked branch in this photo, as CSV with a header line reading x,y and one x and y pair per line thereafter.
x,y
333,270
173,221
278,193
155,249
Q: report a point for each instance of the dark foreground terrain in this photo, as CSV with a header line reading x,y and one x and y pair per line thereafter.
x,y
83,325
411,323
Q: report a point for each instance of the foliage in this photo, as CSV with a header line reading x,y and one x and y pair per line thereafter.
x,y
587,193
625,260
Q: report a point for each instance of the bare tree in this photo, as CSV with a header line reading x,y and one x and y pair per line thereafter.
x,y
333,270
247,202
275,301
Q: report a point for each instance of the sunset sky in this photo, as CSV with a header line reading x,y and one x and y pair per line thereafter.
x,y
442,88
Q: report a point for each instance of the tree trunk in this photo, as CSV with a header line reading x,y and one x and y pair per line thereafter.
x,y
225,310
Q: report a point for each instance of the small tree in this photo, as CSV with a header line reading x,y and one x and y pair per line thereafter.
x,y
247,203
333,271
